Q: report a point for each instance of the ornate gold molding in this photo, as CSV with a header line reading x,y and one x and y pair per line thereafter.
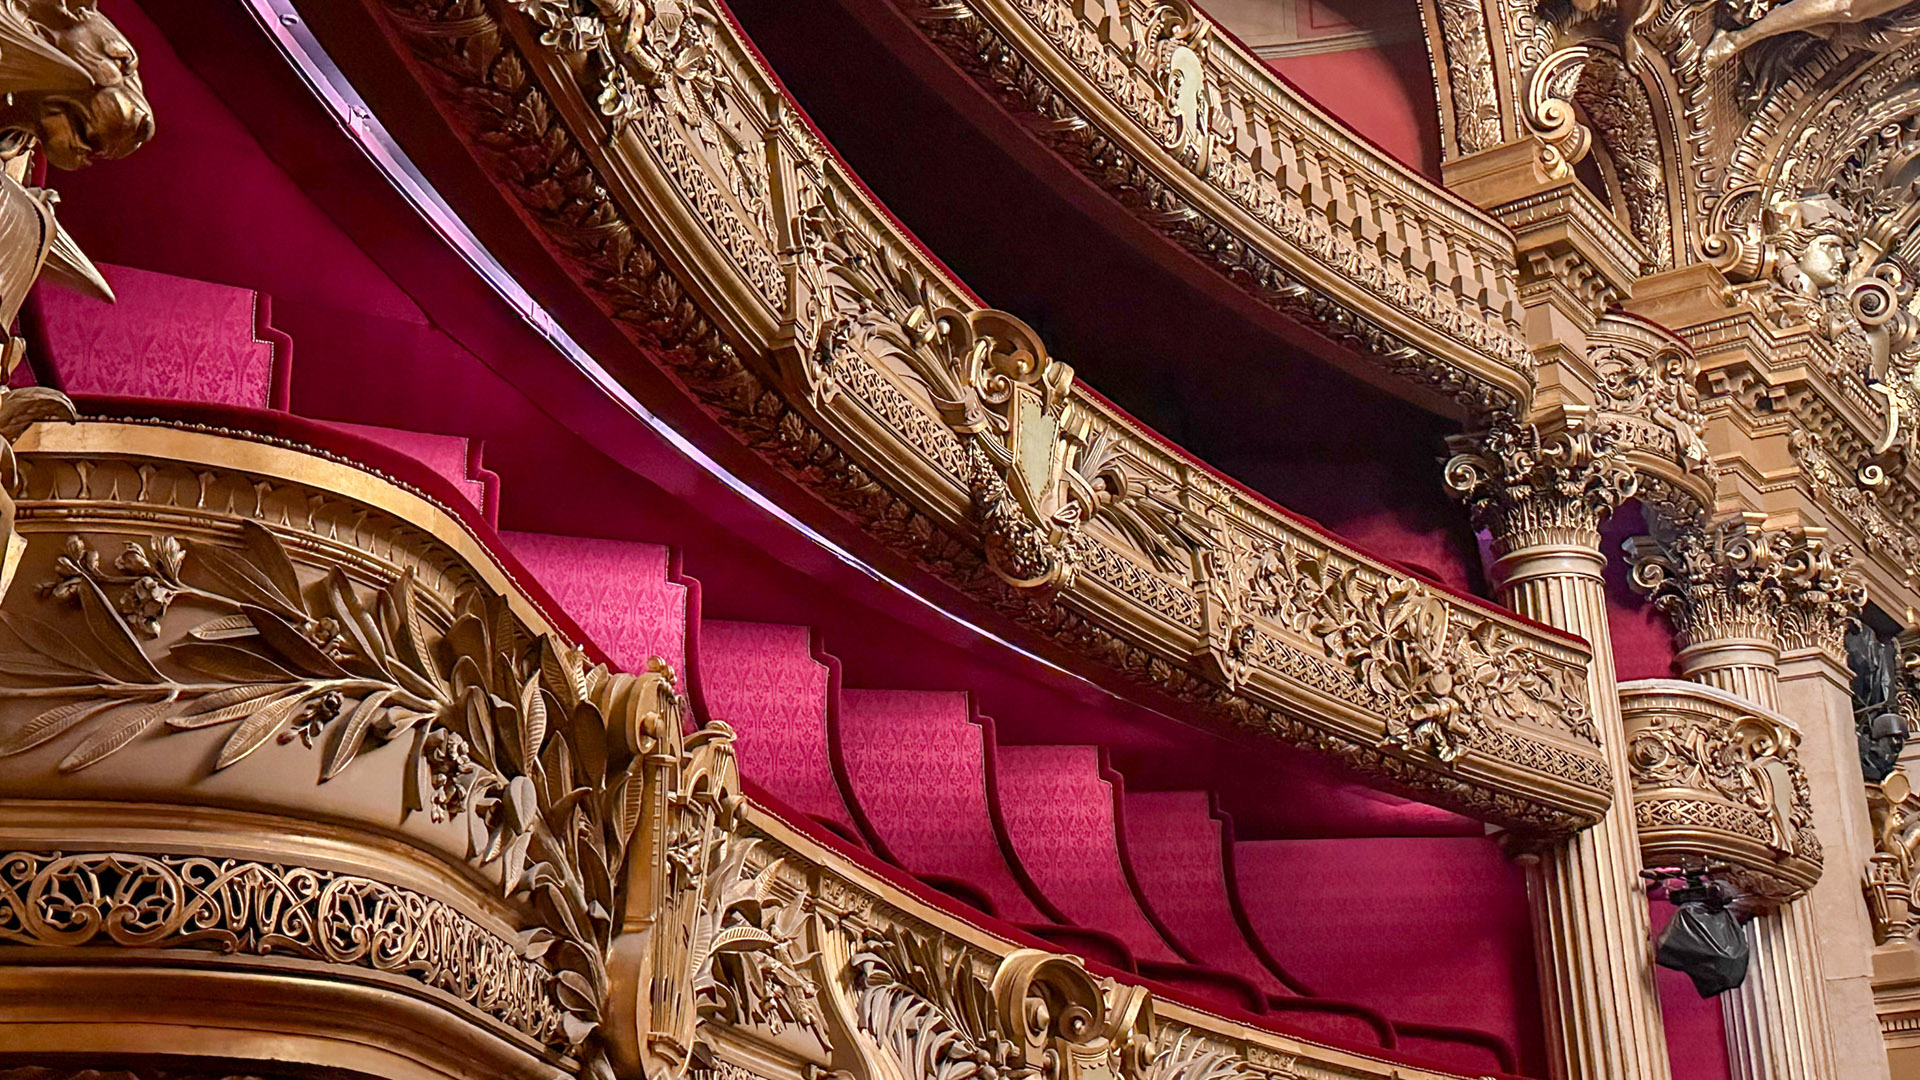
x,y
505,849
1275,194
1718,780
316,656
1735,579
905,989
71,900
858,376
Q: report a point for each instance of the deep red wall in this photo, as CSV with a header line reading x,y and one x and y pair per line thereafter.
x,y
1385,94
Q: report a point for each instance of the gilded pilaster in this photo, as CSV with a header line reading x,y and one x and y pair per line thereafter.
x,y
1739,594
1542,493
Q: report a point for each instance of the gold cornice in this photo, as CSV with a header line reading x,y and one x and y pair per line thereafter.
x,y
376,1028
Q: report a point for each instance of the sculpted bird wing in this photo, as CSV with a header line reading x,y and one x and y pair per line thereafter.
x,y
26,227
30,63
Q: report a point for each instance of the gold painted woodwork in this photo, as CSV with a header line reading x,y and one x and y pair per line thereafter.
x,y
1237,166
802,317
1717,780
371,908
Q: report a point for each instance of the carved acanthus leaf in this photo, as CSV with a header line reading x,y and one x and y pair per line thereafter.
x,y
1525,481
1038,1016
537,751
1734,579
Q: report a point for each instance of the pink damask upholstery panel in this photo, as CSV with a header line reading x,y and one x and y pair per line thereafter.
x,y
762,678
1429,930
165,337
917,764
1173,844
447,455
1059,814
617,591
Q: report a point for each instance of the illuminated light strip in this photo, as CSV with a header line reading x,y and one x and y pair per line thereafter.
x,y
303,51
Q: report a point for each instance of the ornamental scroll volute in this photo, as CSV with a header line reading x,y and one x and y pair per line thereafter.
x,y
71,91
702,937
1013,411
1173,46
930,1010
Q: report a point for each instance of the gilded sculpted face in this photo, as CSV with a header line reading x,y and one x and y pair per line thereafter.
x,y
86,101
1824,261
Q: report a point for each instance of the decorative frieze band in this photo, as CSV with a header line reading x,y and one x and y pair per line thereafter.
x,y
229,906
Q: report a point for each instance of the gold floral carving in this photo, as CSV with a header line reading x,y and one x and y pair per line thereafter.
x,y
1649,400
701,937
835,406
141,901
1716,780
1038,1015
1443,679
517,736
1469,74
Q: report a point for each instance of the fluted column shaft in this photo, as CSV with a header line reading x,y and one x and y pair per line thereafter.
x,y
1542,490
1590,917
1735,590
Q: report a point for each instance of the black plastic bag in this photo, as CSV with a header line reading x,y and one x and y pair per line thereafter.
x,y
1705,941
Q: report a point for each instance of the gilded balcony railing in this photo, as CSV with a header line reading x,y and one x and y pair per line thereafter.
x,y
720,230
300,777
1717,780
1193,133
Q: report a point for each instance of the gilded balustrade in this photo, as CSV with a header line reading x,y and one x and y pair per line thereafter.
x,y
1189,130
811,326
300,778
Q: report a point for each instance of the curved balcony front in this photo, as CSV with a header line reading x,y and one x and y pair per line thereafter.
x,y
1182,130
1717,780
305,773
696,215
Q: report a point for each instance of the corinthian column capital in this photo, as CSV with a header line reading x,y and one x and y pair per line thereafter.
x,y
1735,579
1549,483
